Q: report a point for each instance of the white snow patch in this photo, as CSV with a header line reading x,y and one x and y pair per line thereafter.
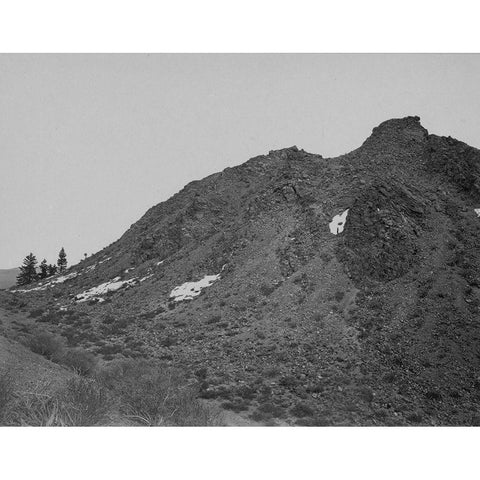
x,y
159,263
23,290
103,288
146,278
477,211
64,278
105,260
129,269
90,268
189,290
338,223
52,282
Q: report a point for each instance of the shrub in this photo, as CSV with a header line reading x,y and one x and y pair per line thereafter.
x,y
365,394
168,341
110,349
415,417
201,373
246,392
433,395
79,360
271,409
266,290
46,344
288,381
339,296
271,372
237,405
87,401
150,394
83,402
214,319
302,410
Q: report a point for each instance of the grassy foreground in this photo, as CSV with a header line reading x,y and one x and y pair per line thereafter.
x,y
127,392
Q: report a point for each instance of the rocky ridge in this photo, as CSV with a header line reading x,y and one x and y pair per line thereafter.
x,y
375,325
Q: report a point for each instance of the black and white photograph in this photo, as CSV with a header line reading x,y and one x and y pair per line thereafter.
x,y
244,241
261,284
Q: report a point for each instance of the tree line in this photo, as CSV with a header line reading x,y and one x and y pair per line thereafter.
x,y
28,270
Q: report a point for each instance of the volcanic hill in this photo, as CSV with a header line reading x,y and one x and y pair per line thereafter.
x,y
297,289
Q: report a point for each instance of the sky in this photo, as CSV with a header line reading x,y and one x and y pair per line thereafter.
x,y
89,142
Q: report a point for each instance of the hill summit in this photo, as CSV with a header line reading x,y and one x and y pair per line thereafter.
x,y
298,289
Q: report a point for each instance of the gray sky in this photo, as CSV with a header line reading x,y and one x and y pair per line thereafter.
x,y
90,142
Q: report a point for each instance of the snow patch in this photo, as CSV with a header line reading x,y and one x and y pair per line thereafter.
x,y
52,282
160,262
477,211
105,260
338,223
23,290
64,278
146,278
189,290
111,286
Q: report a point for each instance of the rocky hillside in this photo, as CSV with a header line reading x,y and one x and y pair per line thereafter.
x,y
297,289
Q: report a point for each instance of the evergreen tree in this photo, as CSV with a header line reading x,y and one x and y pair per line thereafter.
x,y
62,260
52,270
28,272
43,269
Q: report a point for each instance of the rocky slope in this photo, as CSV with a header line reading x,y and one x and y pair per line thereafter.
x,y
283,314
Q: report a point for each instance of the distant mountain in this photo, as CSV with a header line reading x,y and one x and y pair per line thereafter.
x,y
298,289
8,277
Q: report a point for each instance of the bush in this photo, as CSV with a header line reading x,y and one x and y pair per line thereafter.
x,y
86,400
365,394
302,410
339,296
238,405
150,394
46,344
83,402
79,360
213,319
266,290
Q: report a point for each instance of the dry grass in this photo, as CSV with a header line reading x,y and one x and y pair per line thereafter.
x,y
83,402
150,394
6,393
129,392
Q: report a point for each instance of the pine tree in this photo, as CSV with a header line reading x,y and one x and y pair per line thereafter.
x,y
28,272
43,269
52,270
62,260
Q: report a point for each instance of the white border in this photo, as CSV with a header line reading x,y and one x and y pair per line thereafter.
x,y
239,26
239,453
244,26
